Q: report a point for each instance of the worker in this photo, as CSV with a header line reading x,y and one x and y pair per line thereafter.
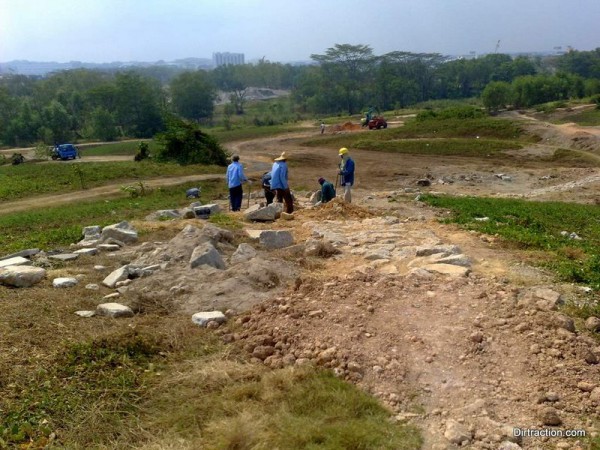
x,y
235,177
266,184
322,127
327,190
279,182
346,174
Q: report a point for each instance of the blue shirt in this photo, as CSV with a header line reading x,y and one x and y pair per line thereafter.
x,y
348,171
279,175
235,174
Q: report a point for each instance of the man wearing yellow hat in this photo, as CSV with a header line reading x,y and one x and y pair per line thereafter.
x,y
346,174
279,183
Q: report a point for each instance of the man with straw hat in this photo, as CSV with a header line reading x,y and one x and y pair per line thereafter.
x,y
279,183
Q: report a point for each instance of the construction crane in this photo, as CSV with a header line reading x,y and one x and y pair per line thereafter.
x,y
497,46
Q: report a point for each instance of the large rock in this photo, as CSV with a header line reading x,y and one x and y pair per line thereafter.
x,y
273,239
243,253
121,231
264,214
456,433
114,310
206,254
216,234
120,274
448,269
202,318
593,324
21,276
15,261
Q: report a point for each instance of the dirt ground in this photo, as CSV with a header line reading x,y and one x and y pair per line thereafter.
x,y
467,356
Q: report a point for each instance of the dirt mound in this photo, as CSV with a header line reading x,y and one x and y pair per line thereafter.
x,y
348,126
337,210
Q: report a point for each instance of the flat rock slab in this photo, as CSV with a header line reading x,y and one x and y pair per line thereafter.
x,y
202,318
272,239
254,234
21,276
448,269
64,282
15,261
65,257
115,276
85,313
206,254
86,251
109,247
121,231
24,253
114,310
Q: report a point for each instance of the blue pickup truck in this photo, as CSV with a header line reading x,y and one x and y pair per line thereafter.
x,y
65,151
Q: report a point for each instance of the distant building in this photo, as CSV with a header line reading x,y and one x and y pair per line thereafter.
x,y
226,58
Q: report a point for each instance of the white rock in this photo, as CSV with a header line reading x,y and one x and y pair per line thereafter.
x,y
21,276
117,275
206,254
92,286
121,231
85,313
15,261
109,247
456,433
448,269
114,310
243,253
65,257
202,318
64,282
86,251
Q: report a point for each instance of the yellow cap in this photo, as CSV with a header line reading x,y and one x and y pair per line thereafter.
x,y
343,151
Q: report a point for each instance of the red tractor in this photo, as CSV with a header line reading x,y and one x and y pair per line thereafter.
x,y
377,122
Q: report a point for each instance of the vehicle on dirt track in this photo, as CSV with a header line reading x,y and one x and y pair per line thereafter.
x,y
65,152
377,122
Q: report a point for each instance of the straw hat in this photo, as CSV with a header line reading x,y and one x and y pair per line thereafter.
x,y
282,157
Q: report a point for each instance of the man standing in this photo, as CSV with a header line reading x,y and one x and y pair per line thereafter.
x,y
322,127
235,177
347,174
279,183
327,190
266,184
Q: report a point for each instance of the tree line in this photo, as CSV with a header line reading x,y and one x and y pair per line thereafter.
x,y
345,79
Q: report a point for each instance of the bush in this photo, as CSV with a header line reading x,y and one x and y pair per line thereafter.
x,y
185,143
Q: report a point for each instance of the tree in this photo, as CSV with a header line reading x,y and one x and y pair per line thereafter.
x,y
496,95
193,95
349,67
232,79
102,125
138,105
185,143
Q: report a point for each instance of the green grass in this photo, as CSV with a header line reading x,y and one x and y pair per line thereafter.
x,y
48,228
537,226
240,406
116,148
28,180
446,147
253,132
463,132
590,117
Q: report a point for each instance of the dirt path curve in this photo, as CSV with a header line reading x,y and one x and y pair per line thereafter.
x,y
107,191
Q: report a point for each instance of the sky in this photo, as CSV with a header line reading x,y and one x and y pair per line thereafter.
x,y
287,30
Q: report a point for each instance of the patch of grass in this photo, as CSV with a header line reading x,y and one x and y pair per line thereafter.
x,y
446,147
116,148
241,406
253,132
53,227
489,130
589,117
26,180
225,221
575,158
537,226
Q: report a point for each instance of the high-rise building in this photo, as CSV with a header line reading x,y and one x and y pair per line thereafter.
x,y
225,58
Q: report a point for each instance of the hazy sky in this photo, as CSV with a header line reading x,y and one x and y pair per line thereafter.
x,y
286,30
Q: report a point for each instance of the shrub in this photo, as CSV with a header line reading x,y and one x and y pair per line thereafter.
x,y
185,143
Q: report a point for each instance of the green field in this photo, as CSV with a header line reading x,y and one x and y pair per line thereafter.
x,y
117,148
28,180
537,227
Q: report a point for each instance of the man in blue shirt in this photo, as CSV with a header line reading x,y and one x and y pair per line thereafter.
x,y
235,177
279,183
347,174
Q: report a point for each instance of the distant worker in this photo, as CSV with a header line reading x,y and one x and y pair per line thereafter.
x,y
327,190
346,174
279,183
322,127
235,177
266,184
